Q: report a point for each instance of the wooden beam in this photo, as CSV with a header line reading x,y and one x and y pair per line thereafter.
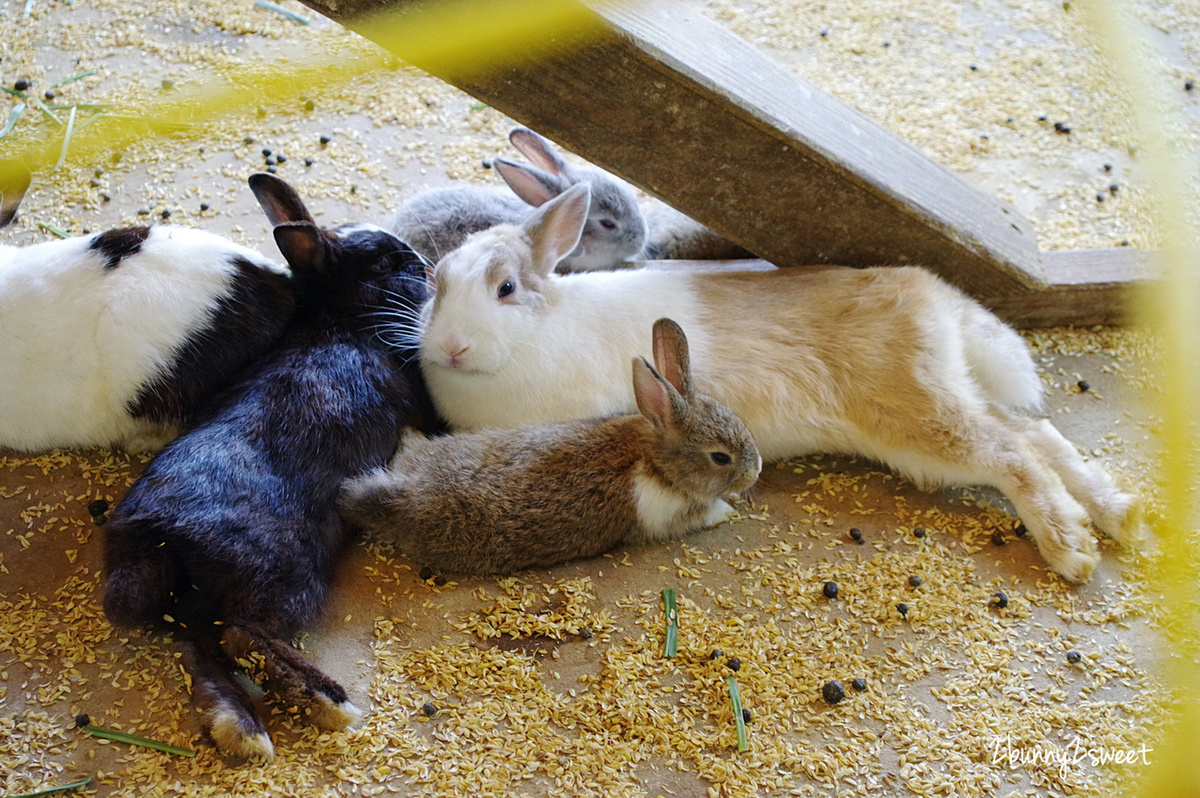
x,y
1087,286
672,102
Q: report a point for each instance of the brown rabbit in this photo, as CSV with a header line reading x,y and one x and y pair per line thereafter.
x,y
502,500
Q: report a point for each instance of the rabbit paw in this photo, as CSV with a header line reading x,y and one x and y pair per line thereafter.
x,y
334,715
224,725
718,513
1122,519
1072,553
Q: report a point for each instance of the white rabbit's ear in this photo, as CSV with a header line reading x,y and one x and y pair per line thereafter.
x,y
302,246
14,182
538,150
279,201
554,229
671,356
532,185
656,399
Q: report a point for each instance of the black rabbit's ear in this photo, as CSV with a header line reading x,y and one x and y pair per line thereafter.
x,y
279,201
532,185
14,182
302,246
671,356
538,150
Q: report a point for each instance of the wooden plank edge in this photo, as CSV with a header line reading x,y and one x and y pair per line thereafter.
x,y
1088,287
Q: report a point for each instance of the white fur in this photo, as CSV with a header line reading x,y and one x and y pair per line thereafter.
x,y
77,341
231,738
587,336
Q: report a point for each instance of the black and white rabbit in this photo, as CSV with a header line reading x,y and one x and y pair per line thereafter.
x,y
890,363
116,338
501,500
437,221
232,532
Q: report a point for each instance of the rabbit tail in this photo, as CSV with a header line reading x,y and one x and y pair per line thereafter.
x,y
1000,361
369,501
140,581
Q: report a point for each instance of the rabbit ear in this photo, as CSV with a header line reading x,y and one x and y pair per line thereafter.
x,y
656,399
302,246
14,182
554,229
279,201
532,185
538,150
671,356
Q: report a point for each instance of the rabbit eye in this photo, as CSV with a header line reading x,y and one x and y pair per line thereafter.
x,y
608,224
720,458
506,288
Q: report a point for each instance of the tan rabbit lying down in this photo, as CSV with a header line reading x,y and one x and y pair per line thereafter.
x,y
890,363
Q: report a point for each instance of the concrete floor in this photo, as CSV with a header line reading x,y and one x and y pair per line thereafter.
x,y
573,696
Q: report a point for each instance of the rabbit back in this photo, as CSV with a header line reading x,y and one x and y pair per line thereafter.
x,y
499,501
114,338
437,221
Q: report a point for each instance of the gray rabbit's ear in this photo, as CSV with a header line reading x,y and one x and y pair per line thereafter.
x,y
14,182
554,229
656,399
671,356
279,201
532,185
538,151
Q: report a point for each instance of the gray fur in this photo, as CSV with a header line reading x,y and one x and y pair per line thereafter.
x,y
435,222
676,236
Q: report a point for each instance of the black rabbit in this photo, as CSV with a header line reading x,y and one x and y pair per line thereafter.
x,y
231,535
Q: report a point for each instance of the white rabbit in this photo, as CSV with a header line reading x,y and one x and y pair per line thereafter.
x,y
500,500
116,338
435,222
890,363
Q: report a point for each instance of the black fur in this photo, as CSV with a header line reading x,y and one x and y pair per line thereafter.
x,y
233,527
246,321
118,244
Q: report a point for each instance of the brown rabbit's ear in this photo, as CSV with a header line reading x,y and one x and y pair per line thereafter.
x,y
671,356
554,229
656,399
538,150
279,201
532,185
14,182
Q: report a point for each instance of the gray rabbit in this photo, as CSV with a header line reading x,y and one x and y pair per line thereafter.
x,y
435,222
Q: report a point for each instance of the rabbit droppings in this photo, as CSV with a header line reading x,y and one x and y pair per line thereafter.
x,y
890,363
498,501
438,221
117,338
232,532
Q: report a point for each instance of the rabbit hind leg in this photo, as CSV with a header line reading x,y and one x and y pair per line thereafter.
x,y
1114,512
981,448
297,682
229,717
